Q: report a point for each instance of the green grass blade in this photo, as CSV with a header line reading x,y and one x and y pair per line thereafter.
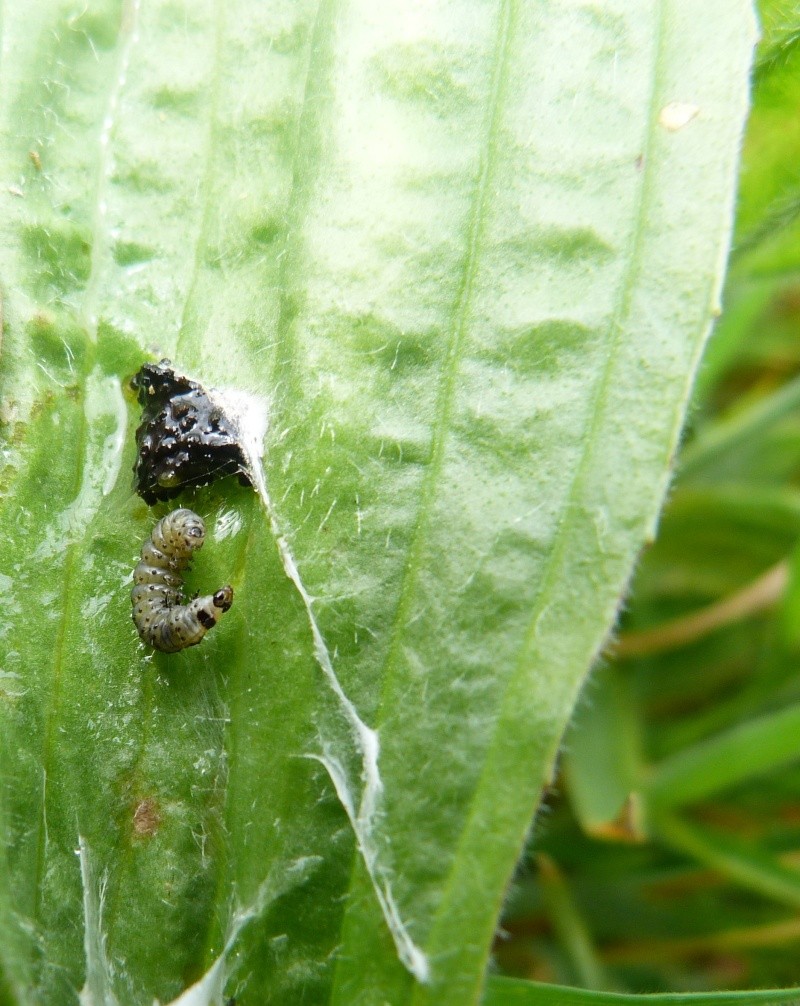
x,y
768,218
573,934
726,437
745,752
602,752
737,860
513,992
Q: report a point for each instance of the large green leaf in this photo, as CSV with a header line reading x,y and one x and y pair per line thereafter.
x,y
466,256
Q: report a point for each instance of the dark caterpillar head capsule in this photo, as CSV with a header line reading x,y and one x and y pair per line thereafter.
x,y
223,598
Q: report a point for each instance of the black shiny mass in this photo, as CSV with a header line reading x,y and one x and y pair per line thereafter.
x,y
184,439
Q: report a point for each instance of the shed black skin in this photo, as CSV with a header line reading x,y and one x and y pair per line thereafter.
x,y
184,438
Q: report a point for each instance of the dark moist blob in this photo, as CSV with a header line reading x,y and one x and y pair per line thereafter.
x,y
184,439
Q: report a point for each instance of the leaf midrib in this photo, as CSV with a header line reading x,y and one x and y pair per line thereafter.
x,y
447,388
206,188
456,337
54,692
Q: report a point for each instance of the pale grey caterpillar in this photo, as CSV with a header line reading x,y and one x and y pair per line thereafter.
x,y
161,617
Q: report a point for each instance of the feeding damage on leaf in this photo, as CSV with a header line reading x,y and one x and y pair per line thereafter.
x,y
146,818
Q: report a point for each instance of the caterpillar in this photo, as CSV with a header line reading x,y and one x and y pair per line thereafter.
x,y
161,617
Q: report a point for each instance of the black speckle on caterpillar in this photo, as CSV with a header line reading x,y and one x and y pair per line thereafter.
x,y
161,617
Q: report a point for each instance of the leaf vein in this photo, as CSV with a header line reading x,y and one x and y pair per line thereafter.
x,y
207,185
456,336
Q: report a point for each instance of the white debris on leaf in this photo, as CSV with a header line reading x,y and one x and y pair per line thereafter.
x,y
227,525
114,443
97,988
248,414
208,991
677,114
362,809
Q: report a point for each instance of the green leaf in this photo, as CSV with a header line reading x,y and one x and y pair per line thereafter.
x,y
466,258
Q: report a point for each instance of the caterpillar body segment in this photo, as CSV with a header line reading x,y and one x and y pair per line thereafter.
x,y
162,618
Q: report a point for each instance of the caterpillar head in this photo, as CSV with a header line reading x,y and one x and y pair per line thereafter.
x,y
221,601
190,528
223,598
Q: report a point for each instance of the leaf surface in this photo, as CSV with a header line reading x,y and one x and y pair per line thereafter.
x,y
467,256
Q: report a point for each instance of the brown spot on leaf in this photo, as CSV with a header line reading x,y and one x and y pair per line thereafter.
x,y
146,818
